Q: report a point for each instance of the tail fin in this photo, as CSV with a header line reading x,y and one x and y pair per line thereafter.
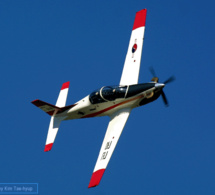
x,y
49,108
53,111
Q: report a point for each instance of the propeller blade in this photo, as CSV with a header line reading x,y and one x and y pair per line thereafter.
x,y
169,80
151,69
164,98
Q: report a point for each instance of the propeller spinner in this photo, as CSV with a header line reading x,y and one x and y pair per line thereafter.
x,y
156,79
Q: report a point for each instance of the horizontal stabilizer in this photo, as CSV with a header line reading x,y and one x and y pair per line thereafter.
x,y
52,132
53,111
61,101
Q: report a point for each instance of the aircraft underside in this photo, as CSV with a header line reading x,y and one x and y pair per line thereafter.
x,y
113,101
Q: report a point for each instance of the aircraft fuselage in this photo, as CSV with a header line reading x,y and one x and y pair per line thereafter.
x,y
105,101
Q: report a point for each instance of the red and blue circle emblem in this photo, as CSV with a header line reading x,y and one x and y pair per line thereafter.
x,y
134,48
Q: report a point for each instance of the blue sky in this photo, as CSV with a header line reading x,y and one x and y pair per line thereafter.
x,y
161,150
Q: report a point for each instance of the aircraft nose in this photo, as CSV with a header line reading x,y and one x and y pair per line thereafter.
x,y
159,85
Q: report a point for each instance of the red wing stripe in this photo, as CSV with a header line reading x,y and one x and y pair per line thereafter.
x,y
48,147
140,19
65,85
96,178
111,107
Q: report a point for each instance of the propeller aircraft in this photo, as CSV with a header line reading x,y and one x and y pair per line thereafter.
x,y
113,101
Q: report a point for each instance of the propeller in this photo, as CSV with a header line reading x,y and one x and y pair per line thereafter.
x,y
151,69
169,80
155,79
164,98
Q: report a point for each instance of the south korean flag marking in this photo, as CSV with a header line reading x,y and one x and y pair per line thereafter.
x,y
134,48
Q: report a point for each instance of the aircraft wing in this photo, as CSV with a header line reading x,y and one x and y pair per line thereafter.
x,y
114,130
131,68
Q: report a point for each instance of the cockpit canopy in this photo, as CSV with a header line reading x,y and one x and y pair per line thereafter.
x,y
111,93
108,93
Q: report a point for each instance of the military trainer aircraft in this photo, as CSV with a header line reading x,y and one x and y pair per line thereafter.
x,y
113,101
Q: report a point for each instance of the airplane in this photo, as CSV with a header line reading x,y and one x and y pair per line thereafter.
x,y
113,101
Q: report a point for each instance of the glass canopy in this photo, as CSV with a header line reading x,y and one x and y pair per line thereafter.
x,y
111,93
108,93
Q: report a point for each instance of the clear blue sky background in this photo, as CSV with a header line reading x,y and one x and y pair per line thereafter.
x,y
162,150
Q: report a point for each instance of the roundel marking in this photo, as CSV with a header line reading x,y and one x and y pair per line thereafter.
x,y
134,48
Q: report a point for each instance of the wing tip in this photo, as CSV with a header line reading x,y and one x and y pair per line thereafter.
x,y
140,19
48,147
96,178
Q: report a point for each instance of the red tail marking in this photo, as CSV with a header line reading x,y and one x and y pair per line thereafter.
x,y
48,147
65,85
